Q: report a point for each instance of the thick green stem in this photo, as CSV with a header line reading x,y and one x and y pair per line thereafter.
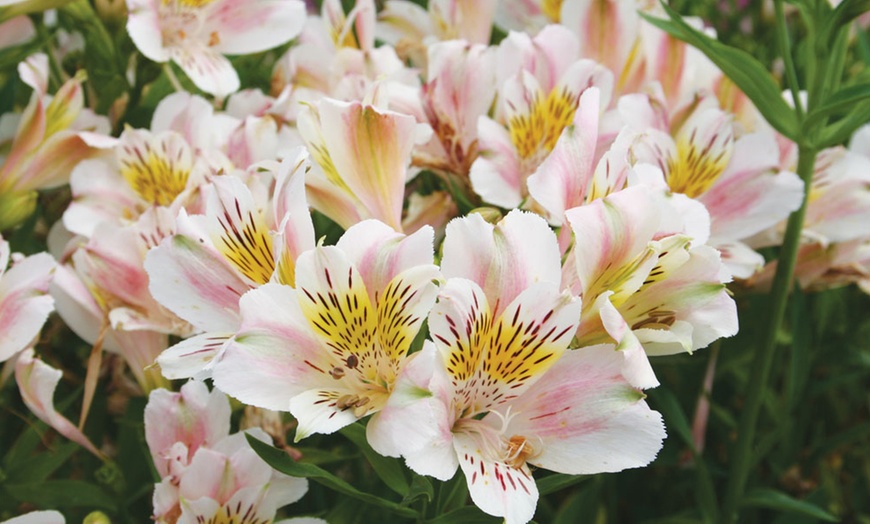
x,y
742,458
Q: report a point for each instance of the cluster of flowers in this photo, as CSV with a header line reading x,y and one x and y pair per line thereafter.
x,y
626,183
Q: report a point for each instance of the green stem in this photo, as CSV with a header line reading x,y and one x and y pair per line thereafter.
x,y
742,459
785,48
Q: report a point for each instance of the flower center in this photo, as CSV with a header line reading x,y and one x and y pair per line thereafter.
x,y
154,177
552,9
535,133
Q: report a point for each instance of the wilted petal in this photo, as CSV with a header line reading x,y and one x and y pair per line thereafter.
x,y
37,382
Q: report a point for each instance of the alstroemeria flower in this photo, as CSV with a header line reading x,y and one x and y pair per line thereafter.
x,y
208,474
24,300
329,350
498,390
178,424
537,100
631,255
52,135
459,89
739,181
412,28
336,57
242,241
148,171
103,285
364,153
37,382
196,34
608,31
577,171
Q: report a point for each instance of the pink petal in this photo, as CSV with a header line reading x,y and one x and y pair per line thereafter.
x,y
371,150
244,27
504,259
275,356
24,302
585,418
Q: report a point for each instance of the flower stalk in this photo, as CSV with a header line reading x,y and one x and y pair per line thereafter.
x,y
760,375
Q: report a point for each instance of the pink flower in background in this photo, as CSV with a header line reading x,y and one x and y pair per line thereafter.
x,y
40,147
539,85
209,475
195,34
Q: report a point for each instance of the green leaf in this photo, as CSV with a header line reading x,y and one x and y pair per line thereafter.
x,y
845,12
62,494
838,103
388,469
103,62
421,487
839,132
285,464
24,445
39,467
773,499
453,493
582,506
465,515
666,402
741,67
557,482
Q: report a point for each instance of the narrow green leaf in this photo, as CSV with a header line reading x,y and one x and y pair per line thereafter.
x,y
465,515
39,467
389,470
24,445
62,494
840,102
773,499
666,402
845,12
582,506
285,464
557,482
741,67
839,132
